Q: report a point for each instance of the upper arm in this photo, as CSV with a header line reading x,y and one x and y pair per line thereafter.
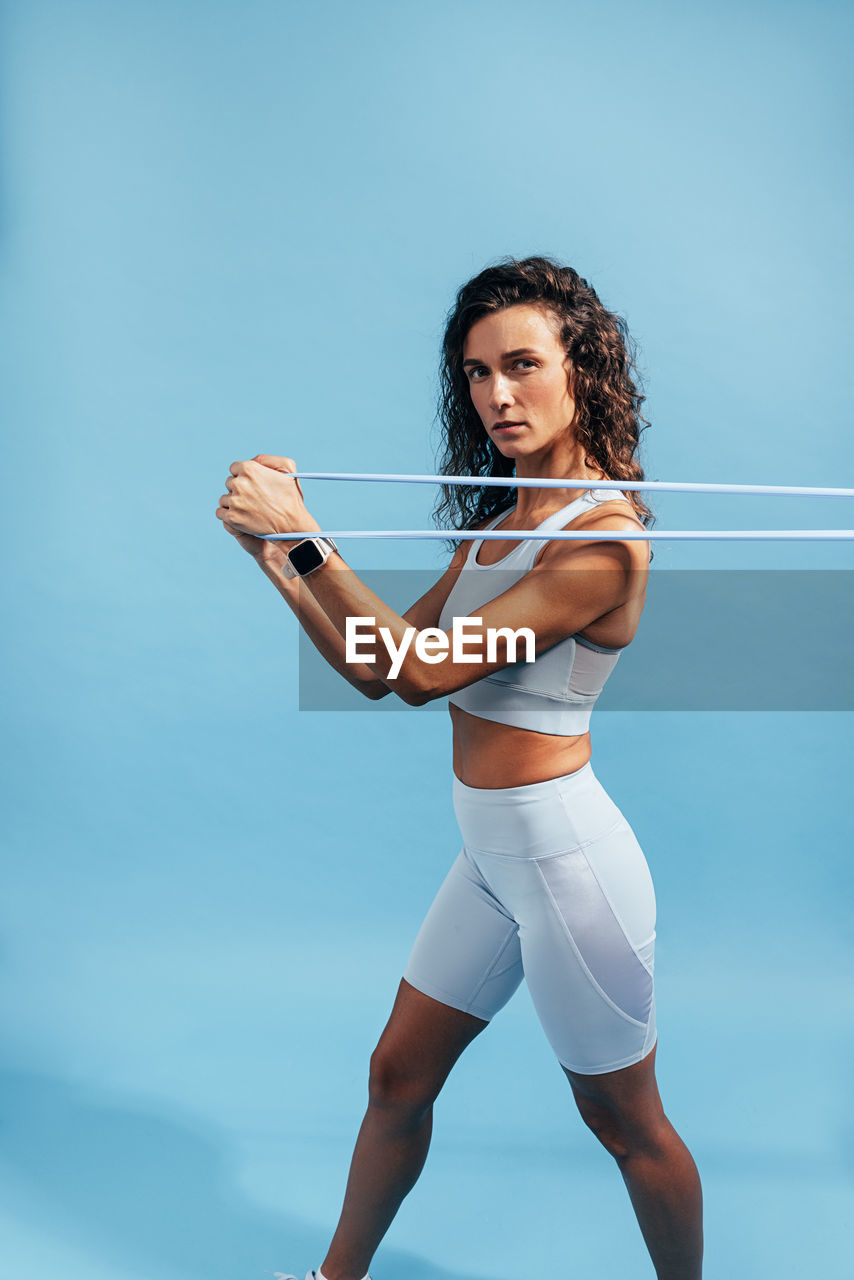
x,y
573,583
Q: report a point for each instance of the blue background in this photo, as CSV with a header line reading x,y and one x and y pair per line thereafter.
x,y
228,229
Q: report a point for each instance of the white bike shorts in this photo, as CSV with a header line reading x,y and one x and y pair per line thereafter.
x,y
550,885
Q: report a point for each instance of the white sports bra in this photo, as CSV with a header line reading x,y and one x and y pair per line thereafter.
x,y
556,692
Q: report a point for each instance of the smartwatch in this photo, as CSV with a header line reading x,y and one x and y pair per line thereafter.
x,y
306,556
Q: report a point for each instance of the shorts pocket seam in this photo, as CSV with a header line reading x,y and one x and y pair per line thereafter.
x,y
624,824
619,919
636,1022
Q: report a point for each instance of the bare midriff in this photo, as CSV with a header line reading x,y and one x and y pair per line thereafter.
x,y
488,754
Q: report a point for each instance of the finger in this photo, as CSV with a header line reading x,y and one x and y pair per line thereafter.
x,y
228,523
277,463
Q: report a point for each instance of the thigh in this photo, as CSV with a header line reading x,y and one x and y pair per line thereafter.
x,y
467,952
623,1108
420,1043
587,930
629,1095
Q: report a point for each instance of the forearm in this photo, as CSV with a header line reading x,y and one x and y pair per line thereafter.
x,y
425,662
341,595
319,629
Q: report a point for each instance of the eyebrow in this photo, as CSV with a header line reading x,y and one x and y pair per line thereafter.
x,y
520,351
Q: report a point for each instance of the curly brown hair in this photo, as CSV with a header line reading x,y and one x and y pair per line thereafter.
x,y
603,356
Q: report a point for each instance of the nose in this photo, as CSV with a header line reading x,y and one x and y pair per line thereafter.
x,y
499,394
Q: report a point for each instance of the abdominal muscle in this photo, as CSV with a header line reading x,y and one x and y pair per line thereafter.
x,y
488,754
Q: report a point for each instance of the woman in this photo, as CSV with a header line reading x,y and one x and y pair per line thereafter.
x,y
551,884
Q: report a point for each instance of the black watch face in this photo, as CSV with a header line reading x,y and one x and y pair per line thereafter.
x,y
306,556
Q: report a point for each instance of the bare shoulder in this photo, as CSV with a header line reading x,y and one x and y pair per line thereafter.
x,y
613,514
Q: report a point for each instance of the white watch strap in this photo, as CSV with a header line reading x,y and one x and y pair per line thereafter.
x,y
326,545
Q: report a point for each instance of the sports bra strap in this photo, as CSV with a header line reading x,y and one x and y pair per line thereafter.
x,y
555,521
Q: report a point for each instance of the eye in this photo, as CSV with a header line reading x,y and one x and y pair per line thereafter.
x,y
476,369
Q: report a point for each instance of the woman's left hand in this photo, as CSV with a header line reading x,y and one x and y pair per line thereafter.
x,y
262,498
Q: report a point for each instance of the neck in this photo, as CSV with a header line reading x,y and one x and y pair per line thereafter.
x,y
531,502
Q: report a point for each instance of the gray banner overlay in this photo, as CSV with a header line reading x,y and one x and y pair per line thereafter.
x,y
708,640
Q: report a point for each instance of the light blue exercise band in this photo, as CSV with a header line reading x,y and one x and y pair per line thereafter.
x,y
697,535
532,482
512,535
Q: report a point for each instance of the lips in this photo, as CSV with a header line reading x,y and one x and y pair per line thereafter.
x,y
503,426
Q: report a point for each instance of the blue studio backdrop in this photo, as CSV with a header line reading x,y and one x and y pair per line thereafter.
x,y
229,229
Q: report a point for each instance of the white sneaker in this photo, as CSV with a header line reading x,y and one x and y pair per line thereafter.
x,y
280,1275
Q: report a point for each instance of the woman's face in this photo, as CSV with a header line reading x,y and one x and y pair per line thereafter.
x,y
518,373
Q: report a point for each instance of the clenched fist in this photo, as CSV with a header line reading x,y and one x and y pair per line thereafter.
x,y
263,497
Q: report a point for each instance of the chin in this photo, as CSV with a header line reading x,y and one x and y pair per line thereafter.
x,y
509,448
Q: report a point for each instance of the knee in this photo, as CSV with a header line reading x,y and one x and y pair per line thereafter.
x,y
395,1086
607,1127
621,1133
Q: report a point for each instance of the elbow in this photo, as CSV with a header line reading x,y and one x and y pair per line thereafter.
x,y
412,696
376,690
417,691
411,687
416,683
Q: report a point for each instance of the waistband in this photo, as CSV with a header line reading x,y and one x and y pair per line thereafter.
x,y
553,816
529,790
